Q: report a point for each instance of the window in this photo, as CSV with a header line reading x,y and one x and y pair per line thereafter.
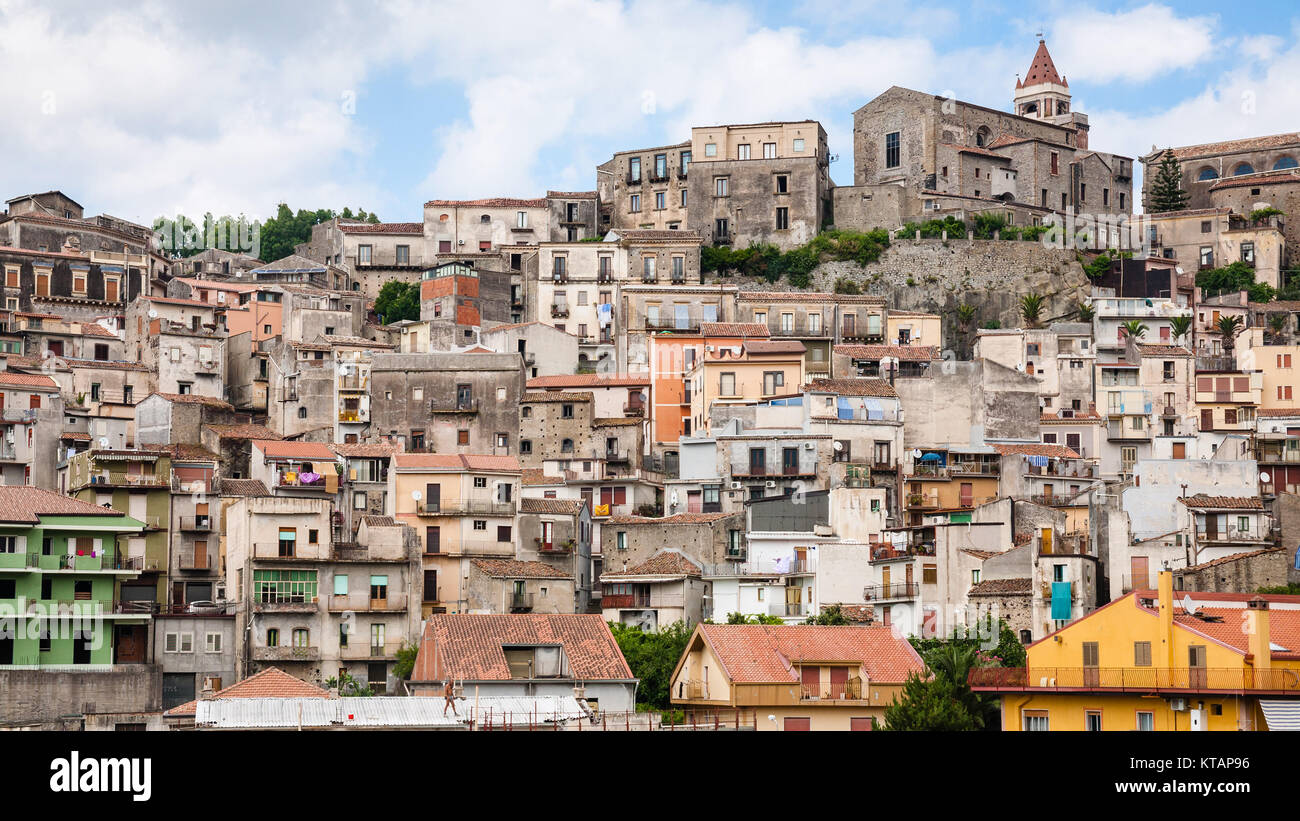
x,y
893,149
685,162
503,533
1146,721
661,166
660,200
773,380
363,254
301,637
378,588
1035,720
720,228
720,186
683,198
930,574
636,203
1248,252
1092,721
480,524
782,184
566,411
710,149
782,219
634,170
727,384
798,145
1207,256
742,151
403,255
1056,163
282,586
480,481
273,637
212,642
462,437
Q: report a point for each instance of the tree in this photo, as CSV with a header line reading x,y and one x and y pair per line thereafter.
x,y
1031,305
1166,192
1134,329
284,231
1180,325
1085,312
1277,326
761,618
1235,276
929,704
652,657
1227,329
830,615
406,655
348,686
398,300
965,316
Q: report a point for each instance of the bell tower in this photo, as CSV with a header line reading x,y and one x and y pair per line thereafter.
x,y
1044,94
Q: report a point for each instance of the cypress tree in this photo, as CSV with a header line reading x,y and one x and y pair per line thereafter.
x,y
1166,192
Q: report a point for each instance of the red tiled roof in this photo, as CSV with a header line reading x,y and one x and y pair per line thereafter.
x,y
1203,502
1056,451
588,380
1235,557
807,296
1163,350
269,683
468,647
247,431
764,348
852,387
663,563
1287,176
1236,146
514,569
561,507
906,353
23,503
276,449
572,195
1283,625
742,329
1079,417
616,421
493,202
1001,587
763,653
28,380
679,519
194,399
556,396
455,461
1285,413
381,227
969,149
243,487
1042,69
366,450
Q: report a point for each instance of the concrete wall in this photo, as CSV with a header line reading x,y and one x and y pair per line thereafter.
x,y
44,698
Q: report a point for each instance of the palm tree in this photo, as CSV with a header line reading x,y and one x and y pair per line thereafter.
x,y
1277,326
1134,329
1228,328
965,315
1085,311
1179,326
1031,305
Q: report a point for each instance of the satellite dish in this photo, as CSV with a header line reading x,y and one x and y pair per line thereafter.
x,y
415,494
1178,269
1264,477
838,446
1188,607
153,314
916,454
103,442
674,499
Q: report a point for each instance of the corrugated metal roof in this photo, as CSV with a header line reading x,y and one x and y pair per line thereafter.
x,y
1281,715
424,712
498,711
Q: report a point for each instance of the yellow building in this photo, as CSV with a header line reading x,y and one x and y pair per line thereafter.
x,y
950,479
464,507
913,328
752,371
1278,364
795,677
1148,661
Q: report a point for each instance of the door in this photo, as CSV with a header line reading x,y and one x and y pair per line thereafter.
x,y
811,678
884,580
909,570
432,497
967,494
431,585
798,725
432,540
790,461
1180,450
1207,419
129,644
861,725
1091,671
757,462
839,682
200,555
1196,676
1211,527
81,644
178,593
1140,573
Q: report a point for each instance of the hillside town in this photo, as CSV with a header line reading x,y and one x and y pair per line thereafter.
x,y
987,419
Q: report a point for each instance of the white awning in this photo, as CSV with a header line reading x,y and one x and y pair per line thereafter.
x,y
1280,714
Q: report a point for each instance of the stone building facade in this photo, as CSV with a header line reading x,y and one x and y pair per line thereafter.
x,y
645,188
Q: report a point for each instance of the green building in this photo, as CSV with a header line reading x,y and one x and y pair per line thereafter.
x,y
61,569
138,483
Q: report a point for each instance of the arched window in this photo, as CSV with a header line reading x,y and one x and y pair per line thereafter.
x,y
485,218
525,412
1207,174
566,446
1284,163
1244,168
982,136
443,217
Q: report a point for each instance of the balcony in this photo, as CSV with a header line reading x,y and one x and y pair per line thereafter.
x,y
466,507
683,325
453,406
286,551
365,604
195,559
1135,679
559,277
1231,536
295,479
1118,431
1216,363
521,602
7,452
604,277
362,649
354,416
788,609
626,601
634,410
850,690
308,653
554,547
1045,591
1130,583
887,552
801,330
202,524
886,592
923,501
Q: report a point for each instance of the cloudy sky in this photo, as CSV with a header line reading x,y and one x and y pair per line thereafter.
x,y
145,108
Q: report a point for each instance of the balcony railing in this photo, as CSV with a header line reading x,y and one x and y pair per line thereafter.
x,y
798,329
285,653
453,406
196,560
1135,679
360,648
850,690
880,592
1230,535
196,523
624,600
788,609
521,602
364,604
466,507
1130,583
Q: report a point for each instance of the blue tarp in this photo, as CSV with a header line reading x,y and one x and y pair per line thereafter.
x,y
931,457
1061,601
874,410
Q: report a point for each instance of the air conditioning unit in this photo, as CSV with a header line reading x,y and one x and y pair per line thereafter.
x,y
1178,705
770,483
735,485
708,349
460,242
809,446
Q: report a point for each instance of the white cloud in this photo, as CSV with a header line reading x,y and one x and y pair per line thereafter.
x,y
1132,46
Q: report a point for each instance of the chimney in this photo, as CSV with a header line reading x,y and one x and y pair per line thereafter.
x,y
1257,633
1165,603
207,692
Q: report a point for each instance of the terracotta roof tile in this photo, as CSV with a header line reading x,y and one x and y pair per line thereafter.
x,y
1041,69
906,353
852,387
1036,449
1283,625
588,380
1282,413
742,329
556,396
243,432
562,507
572,195
492,202
365,450
381,227
28,380
515,569
762,653
23,503
1235,146
455,461
1202,501
616,421
269,683
1235,557
373,520
277,449
243,487
1163,350
194,399
663,563
1002,587
679,519
468,647
1286,177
